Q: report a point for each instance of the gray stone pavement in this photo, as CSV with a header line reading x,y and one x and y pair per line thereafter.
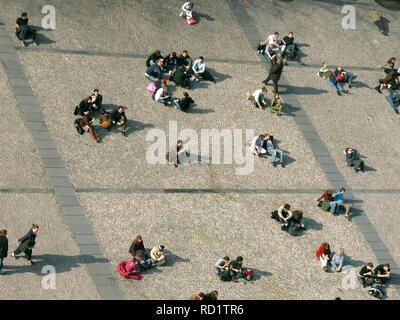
x,y
76,53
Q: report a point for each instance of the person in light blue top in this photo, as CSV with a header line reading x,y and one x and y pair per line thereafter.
x,y
338,199
337,260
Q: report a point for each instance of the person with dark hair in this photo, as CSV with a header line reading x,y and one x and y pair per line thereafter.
x,y
289,48
199,69
284,215
365,276
23,31
323,255
211,296
268,144
353,160
382,273
97,101
136,245
157,255
327,195
119,119
296,222
275,74
174,156
130,269
236,269
3,248
184,102
376,19
328,75
27,243
84,107
388,67
257,147
337,200
152,59
181,77
258,97
143,259
170,63
276,106
344,76
153,73
198,296
86,124
185,61
221,265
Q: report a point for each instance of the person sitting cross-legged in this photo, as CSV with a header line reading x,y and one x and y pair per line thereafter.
x,y
157,255
221,265
236,269
365,276
256,146
284,215
162,96
353,160
170,63
23,31
118,118
337,260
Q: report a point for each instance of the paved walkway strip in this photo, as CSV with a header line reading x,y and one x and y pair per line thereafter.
x,y
64,190
321,152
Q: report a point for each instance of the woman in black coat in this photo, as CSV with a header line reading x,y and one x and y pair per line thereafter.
x,y
353,160
137,245
27,242
3,248
275,74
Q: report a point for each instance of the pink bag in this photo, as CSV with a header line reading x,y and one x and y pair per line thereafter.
x,y
190,20
151,87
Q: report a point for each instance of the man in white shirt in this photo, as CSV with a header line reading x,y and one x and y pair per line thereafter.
x,y
257,98
273,38
257,146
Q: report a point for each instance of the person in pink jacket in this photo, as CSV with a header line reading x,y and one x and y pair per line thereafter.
x,y
323,255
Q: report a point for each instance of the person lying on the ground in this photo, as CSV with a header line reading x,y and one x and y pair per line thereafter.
x,y
328,75
24,31
276,106
199,69
187,9
153,73
284,215
268,144
162,96
391,96
275,74
337,260
221,265
365,276
344,76
337,200
118,118
184,102
97,101
236,269
184,60
170,63
382,273
256,146
258,98
157,255
353,160
86,124
152,59
323,255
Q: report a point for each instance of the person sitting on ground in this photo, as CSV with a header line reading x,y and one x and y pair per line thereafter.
x,y
337,260
161,95
86,124
184,60
136,245
284,215
97,101
273,39
184,102
152,59
344,76
337,200
187,9
353,159
258,97
236,269
296,223
157,255
256,146
365,276
84,107
392,97
382,273
143,259
199,69
211,296
198,296
275,74
323,255
276,106
272,54
181,77
269,145
24,31
221,265
3,248
289,48
104,120
327,195
328,75
119,119
389,66
170,63
130,269
153,73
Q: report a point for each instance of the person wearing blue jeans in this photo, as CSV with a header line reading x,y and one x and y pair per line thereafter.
x,y
236,269
337,260
270,147
347,77
392,97
337,200
337,87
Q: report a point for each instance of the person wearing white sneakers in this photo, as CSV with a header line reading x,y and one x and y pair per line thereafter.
x,y
27,242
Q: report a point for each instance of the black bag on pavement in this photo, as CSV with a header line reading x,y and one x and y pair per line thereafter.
x,y
78,127
225,276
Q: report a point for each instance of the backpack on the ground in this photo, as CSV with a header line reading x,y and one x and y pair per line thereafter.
x,y
225,276
325,205
376,291
294,229
78,127
274,215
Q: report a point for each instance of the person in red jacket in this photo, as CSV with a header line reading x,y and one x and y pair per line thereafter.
x,y
327,195
323,255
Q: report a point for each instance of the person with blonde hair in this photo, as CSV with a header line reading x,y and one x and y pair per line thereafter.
x,y
337,260
257,98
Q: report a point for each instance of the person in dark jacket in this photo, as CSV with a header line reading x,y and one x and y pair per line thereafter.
x,y
184,102
184,60
86,124
97,101
137,245
153,73
3,248
84,107
170,63
118,118
23,31
365,276
382,273
27,243
275,74
353,160
156,55
288,47
181,77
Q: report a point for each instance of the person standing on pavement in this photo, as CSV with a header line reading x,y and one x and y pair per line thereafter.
x,y
3,248
27,243
275,74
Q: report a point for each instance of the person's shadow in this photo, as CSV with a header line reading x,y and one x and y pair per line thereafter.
x,y
198,16
301,90
257,274
219,77
171,259
311,224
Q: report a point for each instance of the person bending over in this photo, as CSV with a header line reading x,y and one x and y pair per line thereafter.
x,y
323,255
256,146
236,269
276,106
153,73
284,215
221,265
162,96
157,255
152,59
365,276
258,98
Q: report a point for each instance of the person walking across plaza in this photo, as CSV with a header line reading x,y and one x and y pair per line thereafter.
x,y
27,243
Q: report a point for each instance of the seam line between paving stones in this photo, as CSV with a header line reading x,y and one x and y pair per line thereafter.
x,y
318,147
74,217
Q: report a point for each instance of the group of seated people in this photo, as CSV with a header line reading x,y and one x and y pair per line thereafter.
x,y
274,48
141,260
337,78
325,257
389,85
290,221
259,101
263,144
92,104
228,270
331,202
